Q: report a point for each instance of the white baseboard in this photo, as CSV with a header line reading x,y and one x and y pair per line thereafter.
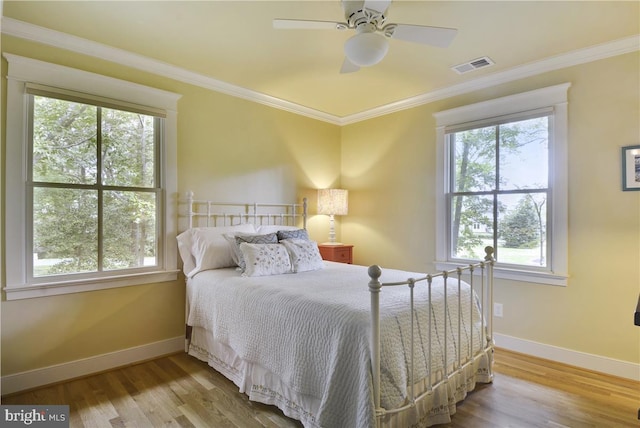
x,y
583,360
73,369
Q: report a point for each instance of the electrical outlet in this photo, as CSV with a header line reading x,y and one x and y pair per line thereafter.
x,y
497,310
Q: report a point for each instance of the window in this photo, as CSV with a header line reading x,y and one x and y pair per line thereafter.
x,y
89,181
97,166
498,190
502,182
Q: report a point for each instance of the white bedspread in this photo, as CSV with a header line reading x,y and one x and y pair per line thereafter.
x,y
312,331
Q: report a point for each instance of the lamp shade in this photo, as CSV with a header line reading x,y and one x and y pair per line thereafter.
x,y
333,201
366,49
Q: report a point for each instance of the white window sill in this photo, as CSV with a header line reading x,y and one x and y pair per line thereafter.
x,y
79,286
538,277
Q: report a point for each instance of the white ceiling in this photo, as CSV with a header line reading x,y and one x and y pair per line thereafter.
x,y
232,46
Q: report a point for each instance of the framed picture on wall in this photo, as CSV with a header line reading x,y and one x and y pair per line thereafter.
x,y
631,168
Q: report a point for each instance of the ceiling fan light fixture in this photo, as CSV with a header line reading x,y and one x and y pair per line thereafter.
x,y
366,49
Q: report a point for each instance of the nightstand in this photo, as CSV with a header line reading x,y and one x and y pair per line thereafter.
x,y
337,253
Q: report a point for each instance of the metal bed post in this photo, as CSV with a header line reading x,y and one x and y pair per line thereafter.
x,y
304,213
190,209
187,330
489,262
255,215
459,344
374,289
470,344
445,368
412,398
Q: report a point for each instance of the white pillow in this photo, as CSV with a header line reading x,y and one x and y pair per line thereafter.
x,y
265,259
209,248
305,255
184,248
273,228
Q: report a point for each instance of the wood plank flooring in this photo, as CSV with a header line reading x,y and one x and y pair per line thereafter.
x,y
180,391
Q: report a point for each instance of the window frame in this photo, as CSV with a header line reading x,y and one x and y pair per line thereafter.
x,y
98,185
23,72
553,97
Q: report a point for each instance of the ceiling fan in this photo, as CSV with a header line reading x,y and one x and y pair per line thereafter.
x,y
370,43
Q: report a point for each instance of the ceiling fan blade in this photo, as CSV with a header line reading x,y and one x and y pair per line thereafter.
x,y
298,24
377,5
436,36
348,67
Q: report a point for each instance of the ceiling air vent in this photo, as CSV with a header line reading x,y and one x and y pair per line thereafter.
x,y
475,64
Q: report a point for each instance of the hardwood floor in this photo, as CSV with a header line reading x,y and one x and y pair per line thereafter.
x,y
530,392
180,391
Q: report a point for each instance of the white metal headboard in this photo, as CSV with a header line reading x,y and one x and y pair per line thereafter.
x,y
208,213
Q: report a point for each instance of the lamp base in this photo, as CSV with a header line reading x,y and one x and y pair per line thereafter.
x,y
332,232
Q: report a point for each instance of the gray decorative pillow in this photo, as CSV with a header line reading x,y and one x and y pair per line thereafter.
x,y
293,234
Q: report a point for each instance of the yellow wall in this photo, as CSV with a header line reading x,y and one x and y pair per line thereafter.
x,y
228,149
388,166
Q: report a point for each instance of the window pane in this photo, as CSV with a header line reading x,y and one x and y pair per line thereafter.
x,y
65,231
524,154
474,157
471,226
128,144
522,228
64,141
130,238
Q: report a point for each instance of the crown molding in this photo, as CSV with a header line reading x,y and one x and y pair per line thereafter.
x,y
24,30
34,33
580,56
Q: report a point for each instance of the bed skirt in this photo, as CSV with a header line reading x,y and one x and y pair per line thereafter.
x,y
265,387
439,405
253,380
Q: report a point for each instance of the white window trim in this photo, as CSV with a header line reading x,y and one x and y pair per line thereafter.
x,y
26,70
553,96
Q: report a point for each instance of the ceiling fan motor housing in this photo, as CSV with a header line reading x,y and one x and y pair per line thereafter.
x,y
366,17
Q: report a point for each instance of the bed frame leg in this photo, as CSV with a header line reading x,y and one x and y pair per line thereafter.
x,y
187,337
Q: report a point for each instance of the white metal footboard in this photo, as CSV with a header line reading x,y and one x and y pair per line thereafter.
x,y
484,293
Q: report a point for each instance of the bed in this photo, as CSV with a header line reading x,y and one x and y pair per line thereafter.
x,y
330,344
